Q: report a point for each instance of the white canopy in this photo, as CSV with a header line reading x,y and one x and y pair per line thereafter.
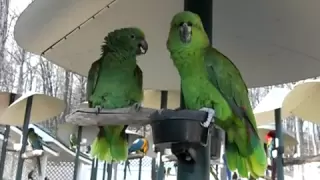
x,y
304,101
264,112
43,108
263,38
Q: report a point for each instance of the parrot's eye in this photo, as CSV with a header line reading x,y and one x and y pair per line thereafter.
x,y
189,23
133,36
181,24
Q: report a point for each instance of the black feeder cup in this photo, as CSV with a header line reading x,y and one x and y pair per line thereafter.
x,y
181,131
216,140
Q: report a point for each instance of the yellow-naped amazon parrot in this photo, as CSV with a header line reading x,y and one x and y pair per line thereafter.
x,y
115,81
211,82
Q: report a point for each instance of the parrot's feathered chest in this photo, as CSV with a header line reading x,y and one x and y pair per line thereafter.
x,y
116,83
194,79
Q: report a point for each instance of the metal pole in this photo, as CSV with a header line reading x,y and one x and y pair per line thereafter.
x,y
96,166
125,170
109,170
5,139
104,170
24,136
200,169
279,144
140,168
153,169
76,160
92,168
163,105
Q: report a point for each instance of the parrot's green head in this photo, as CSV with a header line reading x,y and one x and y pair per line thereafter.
x,y
126,40
187,32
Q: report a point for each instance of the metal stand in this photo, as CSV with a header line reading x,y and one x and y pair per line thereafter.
x,y
109,170
76,160
94,169
104,170
126,164
160,170
24,137
5,139
163,105
200,168
279,144
140,168
153,169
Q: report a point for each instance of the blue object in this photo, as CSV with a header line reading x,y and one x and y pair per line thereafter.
x,y
139,145
36,143
227,169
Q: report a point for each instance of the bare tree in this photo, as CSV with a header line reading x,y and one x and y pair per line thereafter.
x,y
4,13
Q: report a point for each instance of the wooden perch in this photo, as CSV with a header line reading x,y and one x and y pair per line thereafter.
x,y
120,116
135,156
32,154
301,160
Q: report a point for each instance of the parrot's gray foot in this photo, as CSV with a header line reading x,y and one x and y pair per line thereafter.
x,y
211,113
136,107
98,109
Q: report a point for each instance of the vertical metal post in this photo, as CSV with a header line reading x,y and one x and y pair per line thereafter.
x,y
153,169
5,140
104,170
109,170
125,170
279,144
93,167
24,136
95,172
140,168
76,160
200,169
163,105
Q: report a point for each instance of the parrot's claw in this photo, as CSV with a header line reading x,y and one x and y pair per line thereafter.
x,y
210,118
136,107
98,109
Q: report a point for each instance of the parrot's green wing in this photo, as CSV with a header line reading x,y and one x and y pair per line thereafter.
x,y
138,75
93,77
226,77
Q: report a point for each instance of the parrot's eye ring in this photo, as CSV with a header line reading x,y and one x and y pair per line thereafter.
x,y
133,36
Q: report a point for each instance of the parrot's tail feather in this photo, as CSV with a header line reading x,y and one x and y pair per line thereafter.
x,y
100,149
119,148
118,143
235,161
255,164
39,165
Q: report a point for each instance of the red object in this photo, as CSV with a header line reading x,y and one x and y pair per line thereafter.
x,y
270,136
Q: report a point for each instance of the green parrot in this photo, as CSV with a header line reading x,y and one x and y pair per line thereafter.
x,y
73,141
210,82
37,144
115,81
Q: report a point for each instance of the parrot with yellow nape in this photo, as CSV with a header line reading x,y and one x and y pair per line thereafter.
x,y
210,82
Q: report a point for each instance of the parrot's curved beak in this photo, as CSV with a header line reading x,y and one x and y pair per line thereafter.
x,y
142,47
185,31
